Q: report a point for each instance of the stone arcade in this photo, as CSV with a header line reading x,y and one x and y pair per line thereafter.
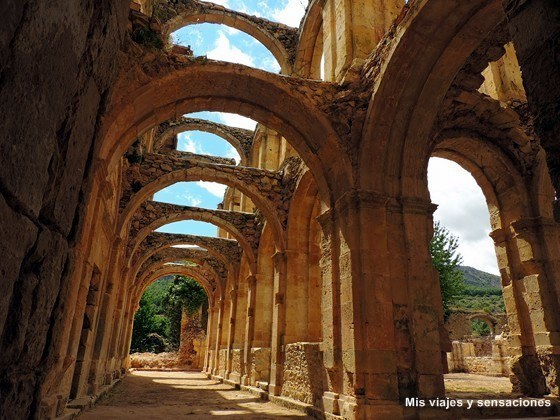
x,y
321,288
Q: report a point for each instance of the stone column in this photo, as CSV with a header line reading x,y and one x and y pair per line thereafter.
x,y
420,337
533,302
209,340
278,324
231,330
219,322
330,308
249,328
297,295
382,310
351,31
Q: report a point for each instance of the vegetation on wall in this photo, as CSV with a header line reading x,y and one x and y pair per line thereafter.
x,y
157,323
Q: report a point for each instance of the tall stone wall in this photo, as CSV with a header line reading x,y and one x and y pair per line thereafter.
x,y
57,61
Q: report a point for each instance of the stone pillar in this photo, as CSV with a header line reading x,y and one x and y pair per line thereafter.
x,y
231,330
209,340
535,281
382,311
219,322
296,296
278,323
330,308
420,336
352,30
359,353
249,328
535,28
87,338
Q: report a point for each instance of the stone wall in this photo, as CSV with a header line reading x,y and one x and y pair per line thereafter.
x,y
236,359
458,325
222,363
57,61
260,365
303,370
472,357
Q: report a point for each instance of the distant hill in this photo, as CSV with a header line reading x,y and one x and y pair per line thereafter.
x,y
480,279
483,292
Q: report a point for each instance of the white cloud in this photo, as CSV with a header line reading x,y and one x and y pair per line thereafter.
x,y
231,31
270,64
190,199
291,13
231,153
213,188
187,144
463,210
224,51
189,35
224,3
235,120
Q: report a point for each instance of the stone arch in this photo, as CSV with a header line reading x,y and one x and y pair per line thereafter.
x,y
497,176
197,273
488,319
310,46
239,138
200,174
227,87
519,232
210,216
279,39
198,256
429,46
177,240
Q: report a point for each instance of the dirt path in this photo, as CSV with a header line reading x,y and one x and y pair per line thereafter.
x,y
176,395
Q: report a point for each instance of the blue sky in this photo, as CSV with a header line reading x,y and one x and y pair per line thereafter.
x,y
462,208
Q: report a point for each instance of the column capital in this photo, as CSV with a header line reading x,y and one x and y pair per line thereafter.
x,y
412,205
278,257
359,198
528,224
499,235
251,280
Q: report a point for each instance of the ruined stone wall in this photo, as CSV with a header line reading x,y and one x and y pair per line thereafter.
x,y
467,357
459,323
236,359
303,370
222,362
57,61
259,368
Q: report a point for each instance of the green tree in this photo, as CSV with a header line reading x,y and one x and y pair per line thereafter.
x,y
187,293
149,329
446,260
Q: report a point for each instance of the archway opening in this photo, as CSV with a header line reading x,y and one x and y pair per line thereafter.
x,y
221,42
169,329
203,143
466,261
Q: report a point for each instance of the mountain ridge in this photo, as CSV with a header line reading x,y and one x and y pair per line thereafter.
x,y
477,278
